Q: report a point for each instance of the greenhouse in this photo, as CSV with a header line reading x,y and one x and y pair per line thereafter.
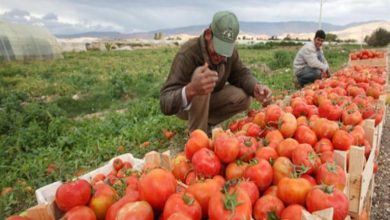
x,y
27,42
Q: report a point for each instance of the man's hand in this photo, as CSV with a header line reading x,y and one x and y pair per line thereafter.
x,y
262,94
202,83
325,74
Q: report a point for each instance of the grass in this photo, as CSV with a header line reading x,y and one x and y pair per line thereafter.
x,y
38,109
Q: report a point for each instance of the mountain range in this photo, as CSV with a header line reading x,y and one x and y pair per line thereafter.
x,y
255,28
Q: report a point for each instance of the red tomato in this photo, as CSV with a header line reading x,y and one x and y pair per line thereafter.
x,y
342,140
73,194
206,163
234,204
17,217
140,210
272,190
304,155
261,173
323,145
252,129
250,188
330,111
248,147
286,147
327,156
117,164
282,167
292,212
266,153
323,197
325,128
331,174
293,190
153,191
304,135
272,114
181,166
259,119
80,212
203,191
287,125
179,216
114,208
184,203
267,206
198,139
226,148
235,170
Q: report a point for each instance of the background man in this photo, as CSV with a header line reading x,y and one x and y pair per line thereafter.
x,y
310,63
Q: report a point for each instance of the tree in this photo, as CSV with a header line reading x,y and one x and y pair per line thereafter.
x,y
158,36
379,38
331,37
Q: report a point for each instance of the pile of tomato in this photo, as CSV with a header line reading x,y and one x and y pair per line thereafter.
x,y
366,54
273,164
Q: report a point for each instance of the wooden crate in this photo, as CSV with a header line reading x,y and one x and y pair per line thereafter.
x,y
360,176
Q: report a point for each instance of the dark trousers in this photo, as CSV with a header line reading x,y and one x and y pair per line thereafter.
x,y
308,75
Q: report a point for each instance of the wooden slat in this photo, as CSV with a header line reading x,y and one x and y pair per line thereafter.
x,y
355,168
340,158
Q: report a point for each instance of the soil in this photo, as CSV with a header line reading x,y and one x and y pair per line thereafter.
x,y
381,197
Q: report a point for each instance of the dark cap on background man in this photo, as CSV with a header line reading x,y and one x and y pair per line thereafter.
x,y
225,28
320,34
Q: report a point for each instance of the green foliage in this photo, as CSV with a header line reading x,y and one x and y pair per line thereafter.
x,y
379,38
282,59
331,37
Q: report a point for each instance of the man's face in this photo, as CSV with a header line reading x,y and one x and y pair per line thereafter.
x,y
214,57
318,42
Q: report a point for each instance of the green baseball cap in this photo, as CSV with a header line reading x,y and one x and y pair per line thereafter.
x,y
225,29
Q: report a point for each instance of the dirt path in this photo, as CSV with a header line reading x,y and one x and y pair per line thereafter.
x,y
381,198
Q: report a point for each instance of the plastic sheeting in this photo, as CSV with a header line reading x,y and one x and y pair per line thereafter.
x,y
25,42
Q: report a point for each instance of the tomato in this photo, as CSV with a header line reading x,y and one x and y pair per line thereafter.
x,y
233,126
342,140
304,135
282,167
248,147
327,156
268,207
234,204
184,203
235,170
206,163
140,210
80,212
293,190
117,164
114,208
259,119
252,129
287,125
272,190
304,155
102,199
17,217
191,178
351,117
323,197
358,135
98,178
181,166
330,111
266,153
292,212
250,188
198,139
203,191
286,147
151,189
310,178
260,172
331,174
274,136
72,194
272,114
179,216
325,128
226,148
323,145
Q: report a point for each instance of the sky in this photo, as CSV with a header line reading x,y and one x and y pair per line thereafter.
x,y
130,16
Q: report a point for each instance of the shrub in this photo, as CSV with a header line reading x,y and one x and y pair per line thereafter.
x,y
378,38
